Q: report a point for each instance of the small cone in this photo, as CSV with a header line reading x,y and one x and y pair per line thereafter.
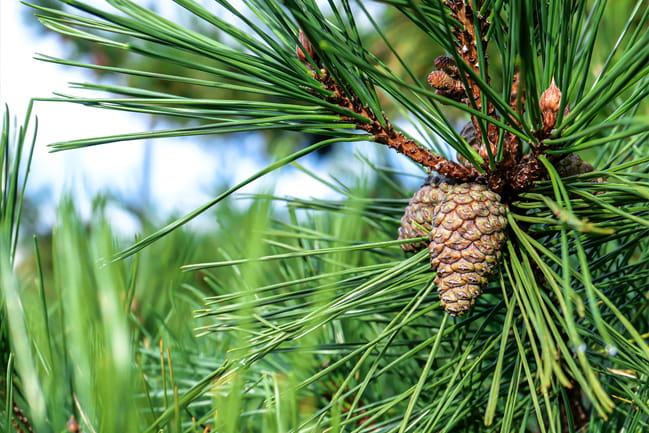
x,y
465,243
448,65
473,138
573,165
469,133
441,80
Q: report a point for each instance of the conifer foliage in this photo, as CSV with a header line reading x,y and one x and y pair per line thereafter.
x,y
542,210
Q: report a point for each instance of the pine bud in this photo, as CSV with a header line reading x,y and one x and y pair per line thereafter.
x,y
304,42
447,86
549,103
441,80
418,217
448,65
72,425
465,242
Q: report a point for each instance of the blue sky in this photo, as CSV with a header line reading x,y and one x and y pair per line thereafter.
x,y
183,174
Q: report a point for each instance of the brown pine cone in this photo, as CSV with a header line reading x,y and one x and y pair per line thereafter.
x,y
471,136
417,220
475,141
572,165
465,242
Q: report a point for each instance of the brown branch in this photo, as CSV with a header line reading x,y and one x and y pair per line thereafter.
x,y
397,141
19,415
513,173
575,406
385,133
382,132
468,37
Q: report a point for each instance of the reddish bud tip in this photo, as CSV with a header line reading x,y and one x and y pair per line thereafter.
x,y
304,43
551,98
72,425
549,103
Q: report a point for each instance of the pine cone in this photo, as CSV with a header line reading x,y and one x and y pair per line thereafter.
x,y
572,165
448,65
475,141
417,221
465,243
471,136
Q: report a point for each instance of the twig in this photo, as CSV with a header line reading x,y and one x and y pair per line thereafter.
x,y
578,413
19,415
382,132
468,38
508,173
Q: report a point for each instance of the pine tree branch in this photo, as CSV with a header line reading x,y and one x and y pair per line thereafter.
x,y
468,37
386,134
382,132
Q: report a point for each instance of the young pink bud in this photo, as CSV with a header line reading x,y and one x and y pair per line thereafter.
x,y
304,42
549,103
